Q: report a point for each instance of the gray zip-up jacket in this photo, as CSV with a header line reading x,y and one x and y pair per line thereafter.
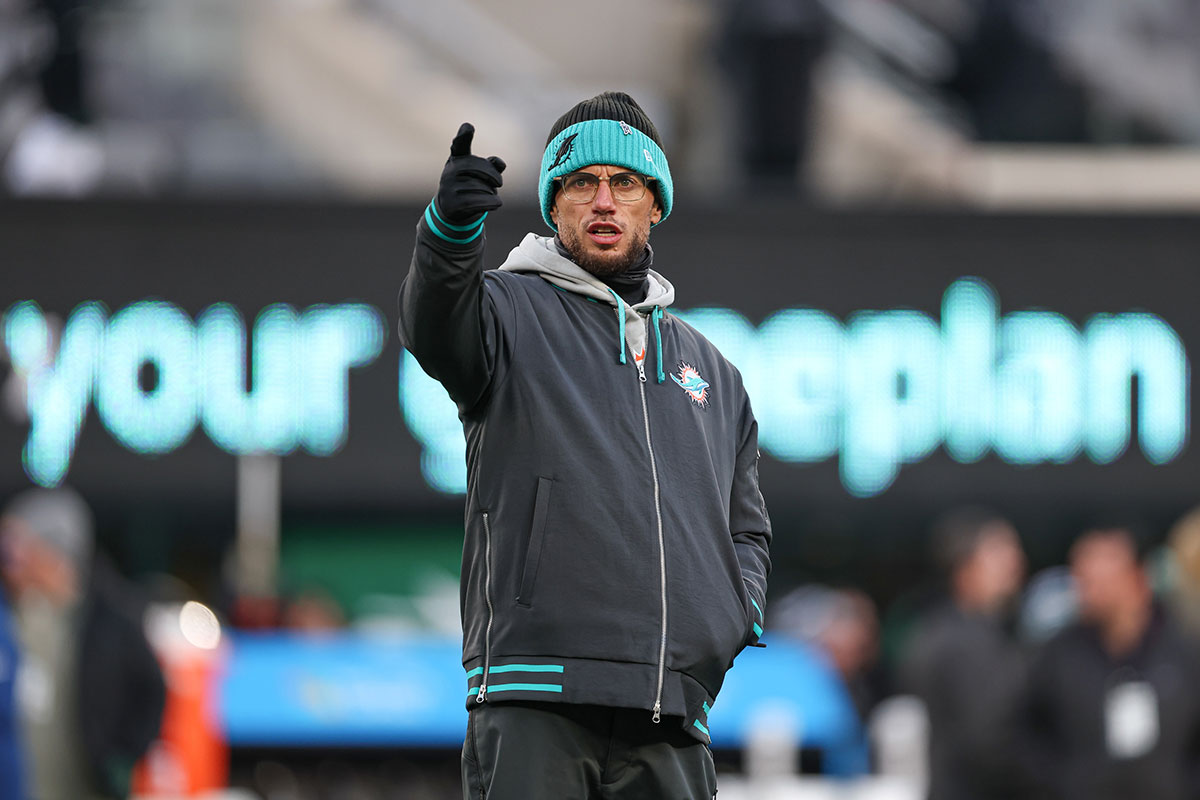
x,y
616,539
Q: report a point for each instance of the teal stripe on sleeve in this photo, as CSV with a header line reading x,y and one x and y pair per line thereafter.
x,y
756,608
757,629
704,730
448,226
434,227
707,708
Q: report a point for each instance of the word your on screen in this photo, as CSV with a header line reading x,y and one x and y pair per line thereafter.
x,y
154,375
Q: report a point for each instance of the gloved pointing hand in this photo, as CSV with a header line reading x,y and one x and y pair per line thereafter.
x,y
469,183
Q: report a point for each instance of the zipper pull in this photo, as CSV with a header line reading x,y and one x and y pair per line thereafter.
x,y
657,712
482,696
641,372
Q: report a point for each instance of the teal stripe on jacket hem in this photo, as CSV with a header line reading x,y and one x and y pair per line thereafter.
x,y
756,608
757,629
696,724
517,668
520,687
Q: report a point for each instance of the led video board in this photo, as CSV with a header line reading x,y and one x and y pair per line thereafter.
x,y
887,356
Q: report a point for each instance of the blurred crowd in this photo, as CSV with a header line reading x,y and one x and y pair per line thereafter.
x,y
1078,683
82,693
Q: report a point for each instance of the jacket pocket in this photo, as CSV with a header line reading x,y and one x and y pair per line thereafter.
x,y
537,534
756,622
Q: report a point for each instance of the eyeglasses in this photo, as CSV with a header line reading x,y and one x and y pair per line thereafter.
x,y
626,187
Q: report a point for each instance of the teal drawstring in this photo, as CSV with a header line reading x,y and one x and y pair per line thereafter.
x,y
621,321
656,316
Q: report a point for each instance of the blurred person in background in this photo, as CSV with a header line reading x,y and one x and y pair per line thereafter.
x,y
312,609
43,151
24,39
1072,71
62,77
769,50
616,551
842,624
12,766
1112,709
1005,75
963,661
1183,543
839,633
91,690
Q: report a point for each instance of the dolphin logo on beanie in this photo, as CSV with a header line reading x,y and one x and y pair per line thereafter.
x,y
564,150
610,128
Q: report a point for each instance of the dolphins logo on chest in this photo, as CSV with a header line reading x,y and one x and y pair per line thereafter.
x,y
693,385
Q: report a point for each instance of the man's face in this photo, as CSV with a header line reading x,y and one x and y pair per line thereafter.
x,y
30,566
1108,577
606,236
998,564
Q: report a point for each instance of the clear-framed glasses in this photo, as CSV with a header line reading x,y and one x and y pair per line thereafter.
x,y
626,187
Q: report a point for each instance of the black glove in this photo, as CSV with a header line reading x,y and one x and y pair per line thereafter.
x,y
469,183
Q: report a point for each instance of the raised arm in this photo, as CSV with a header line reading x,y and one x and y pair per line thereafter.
x,y
446,320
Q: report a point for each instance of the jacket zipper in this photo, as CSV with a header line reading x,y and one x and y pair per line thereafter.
x,y
487,595
662,551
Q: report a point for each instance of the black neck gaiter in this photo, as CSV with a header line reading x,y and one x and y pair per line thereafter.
x,y
630,285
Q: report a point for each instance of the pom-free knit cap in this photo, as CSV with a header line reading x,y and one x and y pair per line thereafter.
x,y
610,128
609,105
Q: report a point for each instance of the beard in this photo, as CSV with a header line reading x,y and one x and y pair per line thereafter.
x,y
605,263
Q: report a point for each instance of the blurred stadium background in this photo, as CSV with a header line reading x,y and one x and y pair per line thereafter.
x,y
950,244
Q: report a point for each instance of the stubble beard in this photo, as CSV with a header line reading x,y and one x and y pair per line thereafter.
x,y
607,263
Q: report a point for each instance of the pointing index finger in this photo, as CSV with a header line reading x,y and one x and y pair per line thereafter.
x,y
461,146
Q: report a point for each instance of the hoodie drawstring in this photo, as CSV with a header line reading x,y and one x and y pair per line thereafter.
x,y
656,315
621,321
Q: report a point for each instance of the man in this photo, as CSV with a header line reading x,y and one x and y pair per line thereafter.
x,y
41,151
1113,710
91,690
840,623
615,558
12,769
836,631
963,663
1183,599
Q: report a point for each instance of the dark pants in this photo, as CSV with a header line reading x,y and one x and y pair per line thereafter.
x,y
558,751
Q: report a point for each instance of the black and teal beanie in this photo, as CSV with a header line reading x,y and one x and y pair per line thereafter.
x,y
610,128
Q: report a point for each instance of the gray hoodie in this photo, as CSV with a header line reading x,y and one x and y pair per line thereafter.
x,y
538,255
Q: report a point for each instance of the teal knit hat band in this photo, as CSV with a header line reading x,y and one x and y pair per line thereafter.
x,y
603,141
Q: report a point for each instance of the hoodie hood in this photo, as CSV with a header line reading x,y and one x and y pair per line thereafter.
x,y
538,255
